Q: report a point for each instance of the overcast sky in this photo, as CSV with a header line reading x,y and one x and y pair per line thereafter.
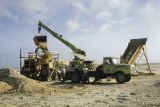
x,y
100,27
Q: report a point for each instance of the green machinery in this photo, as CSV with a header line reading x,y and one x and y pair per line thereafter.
x,y
112,68
74,72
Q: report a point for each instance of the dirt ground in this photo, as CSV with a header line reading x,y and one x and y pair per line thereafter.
x,y
142,90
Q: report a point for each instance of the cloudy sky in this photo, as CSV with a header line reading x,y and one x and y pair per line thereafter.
x,y
100,27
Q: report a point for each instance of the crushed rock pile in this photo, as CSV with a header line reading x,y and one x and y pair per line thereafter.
x,y
4,87
12,79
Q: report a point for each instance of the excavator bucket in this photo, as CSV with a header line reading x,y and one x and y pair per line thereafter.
x,y
41,42
133,50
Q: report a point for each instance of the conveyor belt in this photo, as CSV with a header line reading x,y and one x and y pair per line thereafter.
x,y
133,50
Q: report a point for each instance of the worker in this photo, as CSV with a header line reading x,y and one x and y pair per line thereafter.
x,y
85,74
59,74
63,71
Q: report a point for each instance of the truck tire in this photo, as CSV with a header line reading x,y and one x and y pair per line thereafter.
x,y
128,78
75,78
44,75
85,78
98,73
53,75
120,77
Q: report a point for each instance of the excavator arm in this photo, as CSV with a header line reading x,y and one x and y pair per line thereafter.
x,y
80,54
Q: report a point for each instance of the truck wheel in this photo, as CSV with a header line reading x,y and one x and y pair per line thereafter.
x,y
43,75
128,78
53,75
120,78
98,73
85,78
75,78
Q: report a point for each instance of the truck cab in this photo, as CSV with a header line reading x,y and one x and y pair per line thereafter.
x,y
111,65
112,68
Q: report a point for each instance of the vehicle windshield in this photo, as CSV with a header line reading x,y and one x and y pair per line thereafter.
x,y
115,61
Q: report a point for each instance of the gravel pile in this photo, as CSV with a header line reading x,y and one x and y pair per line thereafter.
x,y
12,78
19,83
4,87
157,84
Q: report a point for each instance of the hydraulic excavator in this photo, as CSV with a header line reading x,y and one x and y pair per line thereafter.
x,y
75,70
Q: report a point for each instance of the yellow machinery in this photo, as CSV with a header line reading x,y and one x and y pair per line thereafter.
x,y
38,65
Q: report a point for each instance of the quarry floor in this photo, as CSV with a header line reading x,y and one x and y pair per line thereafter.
x,y
142,90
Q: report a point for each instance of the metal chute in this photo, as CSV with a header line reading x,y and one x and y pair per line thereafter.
x,y
41,42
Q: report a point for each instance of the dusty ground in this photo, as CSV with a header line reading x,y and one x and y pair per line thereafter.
x,y
142,90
